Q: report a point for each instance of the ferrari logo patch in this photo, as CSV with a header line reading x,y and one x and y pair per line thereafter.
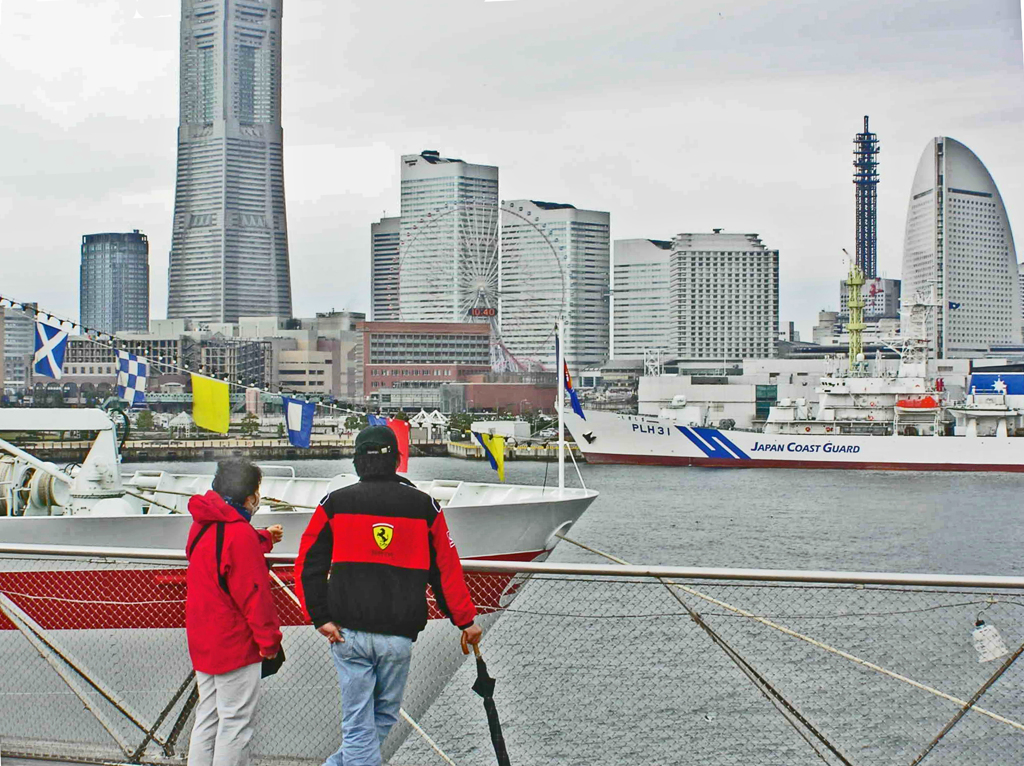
x,y
382,534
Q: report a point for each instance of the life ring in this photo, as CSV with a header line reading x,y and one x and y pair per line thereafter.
x,y
828,429
807,429
871,417
872,404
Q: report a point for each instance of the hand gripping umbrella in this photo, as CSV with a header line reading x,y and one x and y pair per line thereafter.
x,y
484,686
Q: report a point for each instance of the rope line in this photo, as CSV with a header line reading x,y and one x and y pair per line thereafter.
x,y
92,335
784,706
821,645
970,704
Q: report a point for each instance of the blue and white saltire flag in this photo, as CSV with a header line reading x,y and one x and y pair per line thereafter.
x,y
132,372
51,343
376,420
298,419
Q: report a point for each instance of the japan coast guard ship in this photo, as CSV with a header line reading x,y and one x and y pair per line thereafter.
x,y
903,421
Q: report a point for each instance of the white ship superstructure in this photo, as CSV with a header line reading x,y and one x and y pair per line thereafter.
x,y
892,421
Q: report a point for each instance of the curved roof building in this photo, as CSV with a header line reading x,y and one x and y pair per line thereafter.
x,y
958,240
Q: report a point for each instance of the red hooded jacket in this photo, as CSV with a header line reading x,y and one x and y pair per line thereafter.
x,y
226,631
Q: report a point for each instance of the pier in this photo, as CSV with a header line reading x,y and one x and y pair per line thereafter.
x,y
170,450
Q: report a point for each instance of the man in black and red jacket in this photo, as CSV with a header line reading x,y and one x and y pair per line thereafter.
x,y
362,571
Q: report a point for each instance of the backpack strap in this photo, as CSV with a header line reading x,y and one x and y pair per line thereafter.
x,y
221,579
195,542
220,552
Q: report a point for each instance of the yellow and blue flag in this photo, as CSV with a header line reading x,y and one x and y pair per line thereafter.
x,y
494,448
211,403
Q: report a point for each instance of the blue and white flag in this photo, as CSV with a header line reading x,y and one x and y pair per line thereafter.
x,y
953,305
132,372
298,418
376,420
51,343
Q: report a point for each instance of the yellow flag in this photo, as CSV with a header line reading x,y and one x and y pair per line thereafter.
x,y
494,446
211,403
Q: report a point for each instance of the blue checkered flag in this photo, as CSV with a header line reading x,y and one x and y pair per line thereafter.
x,y
132,372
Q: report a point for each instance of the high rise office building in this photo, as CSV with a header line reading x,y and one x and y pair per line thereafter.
x,y
724,296
114,282
448,254
555,260
959,249
384,238
229,240
17,348
1020,281
640,297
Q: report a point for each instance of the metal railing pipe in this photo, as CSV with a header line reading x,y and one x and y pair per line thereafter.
x,y
587,570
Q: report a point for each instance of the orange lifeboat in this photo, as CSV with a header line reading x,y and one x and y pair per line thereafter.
x,y
924,403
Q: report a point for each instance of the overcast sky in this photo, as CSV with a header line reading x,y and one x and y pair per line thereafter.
x,y
674,116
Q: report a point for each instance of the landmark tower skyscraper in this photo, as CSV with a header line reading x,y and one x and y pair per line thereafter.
x,y
229,240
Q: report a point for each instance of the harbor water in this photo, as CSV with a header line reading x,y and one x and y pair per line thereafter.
x,y
962,523
593,672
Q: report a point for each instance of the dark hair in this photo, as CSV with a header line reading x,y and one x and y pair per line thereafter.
x,y
237,478
378,466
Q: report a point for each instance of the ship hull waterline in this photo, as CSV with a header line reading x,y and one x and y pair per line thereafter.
x,y
609,438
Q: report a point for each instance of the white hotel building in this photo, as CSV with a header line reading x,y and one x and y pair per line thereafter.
x,y
448,237
555,259
958,242
641,320
723,296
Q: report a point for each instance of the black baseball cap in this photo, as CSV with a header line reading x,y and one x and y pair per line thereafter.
x,y
376,440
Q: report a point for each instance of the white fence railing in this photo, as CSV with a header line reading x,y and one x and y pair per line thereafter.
x,y
596,664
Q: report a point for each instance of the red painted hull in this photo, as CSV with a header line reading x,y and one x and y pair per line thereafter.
x,y
141,598
607,459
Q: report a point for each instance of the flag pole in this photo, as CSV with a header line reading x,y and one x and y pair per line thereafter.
x,y
560,405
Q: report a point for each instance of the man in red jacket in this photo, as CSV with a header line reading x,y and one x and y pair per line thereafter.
x,y
380,542
230,619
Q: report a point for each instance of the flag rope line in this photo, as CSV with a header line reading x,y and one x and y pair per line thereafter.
x,y
88,334
814,642
401,711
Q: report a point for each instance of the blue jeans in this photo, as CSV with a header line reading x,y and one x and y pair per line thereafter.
x,y
372,670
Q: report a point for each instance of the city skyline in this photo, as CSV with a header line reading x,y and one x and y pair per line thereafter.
x,y
99,136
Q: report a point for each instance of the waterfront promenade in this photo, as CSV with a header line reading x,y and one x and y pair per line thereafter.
x,y
334,448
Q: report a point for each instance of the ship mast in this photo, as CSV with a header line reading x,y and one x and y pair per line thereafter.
x,y
855,327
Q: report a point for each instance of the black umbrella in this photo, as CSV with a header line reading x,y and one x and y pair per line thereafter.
x,y
484,686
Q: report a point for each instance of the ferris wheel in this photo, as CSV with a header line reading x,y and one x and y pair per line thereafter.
x,y
452,264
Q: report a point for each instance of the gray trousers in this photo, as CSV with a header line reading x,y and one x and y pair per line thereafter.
x,y
224,717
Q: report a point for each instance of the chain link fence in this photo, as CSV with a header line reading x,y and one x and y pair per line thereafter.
x,y
590,669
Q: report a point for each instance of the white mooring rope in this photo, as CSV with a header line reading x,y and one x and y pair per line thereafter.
x,y
814,642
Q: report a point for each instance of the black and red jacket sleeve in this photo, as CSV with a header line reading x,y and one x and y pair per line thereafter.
x,y
446,577
313,565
